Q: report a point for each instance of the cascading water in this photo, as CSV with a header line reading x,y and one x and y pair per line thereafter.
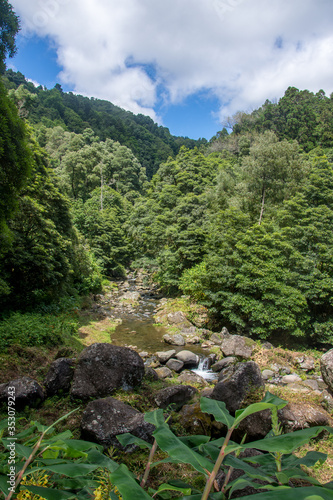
x,y
204,370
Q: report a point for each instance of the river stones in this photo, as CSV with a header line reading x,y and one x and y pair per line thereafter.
x,y
240,386
174,339
25,390
164,356
59,377
174,397
103,368
104,419
188,358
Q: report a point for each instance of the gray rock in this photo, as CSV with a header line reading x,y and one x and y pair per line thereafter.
x,y
188,377
255,426
163,372
225,332
280,369
151,374
60,376
178,318
164,356
103,368
312,384
194,421
25,390
306,363
104,419
175,365
296,416
174,397
327,401
223,363
291,379
235,345
326,368
188,358
174,339
266,374
216,338
244,384
192,330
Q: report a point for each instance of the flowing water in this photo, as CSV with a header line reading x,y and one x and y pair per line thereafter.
x,y
138,329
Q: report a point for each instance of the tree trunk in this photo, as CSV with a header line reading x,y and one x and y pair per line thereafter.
x,y
262,205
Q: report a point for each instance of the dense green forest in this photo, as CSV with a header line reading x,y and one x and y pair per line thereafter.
x,y
242,223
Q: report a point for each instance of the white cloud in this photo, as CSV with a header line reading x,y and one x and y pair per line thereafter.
x,y
243,51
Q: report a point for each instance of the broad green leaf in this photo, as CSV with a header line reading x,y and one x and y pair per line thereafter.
x,y
127,485
78,444
155,417
287,443
49,453
72,469
127,439
194,441
310,459
282,478
212,450
4,484
241,414
169,487
275,400
307,493
48,493
96,457
218,410
23,451
176,449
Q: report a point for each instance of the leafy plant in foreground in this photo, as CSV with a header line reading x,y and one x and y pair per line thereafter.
x,y
73,463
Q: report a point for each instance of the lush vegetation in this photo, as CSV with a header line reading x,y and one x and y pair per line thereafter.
x,y
55,466
242,224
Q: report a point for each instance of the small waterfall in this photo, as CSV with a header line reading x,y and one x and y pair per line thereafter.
x,y
204,370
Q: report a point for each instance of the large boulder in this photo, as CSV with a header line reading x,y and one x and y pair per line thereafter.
x,y
103,368
174,397
178,318
25,391
240,387
188,358
188,377
164,356
60,376
326,368
236,345
296,416
194,421
223,363
104,419
175,365
174,339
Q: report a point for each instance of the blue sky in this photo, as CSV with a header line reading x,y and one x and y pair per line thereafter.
x,y
189,64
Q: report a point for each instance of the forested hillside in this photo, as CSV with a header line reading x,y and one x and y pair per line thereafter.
x,y
242,224
47,108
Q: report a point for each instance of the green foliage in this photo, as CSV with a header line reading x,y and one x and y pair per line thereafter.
x,y
15,158
9,27
40,263
73,463
36,329
104,229
151,144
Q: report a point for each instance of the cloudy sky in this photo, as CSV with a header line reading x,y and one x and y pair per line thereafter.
x,y
186,63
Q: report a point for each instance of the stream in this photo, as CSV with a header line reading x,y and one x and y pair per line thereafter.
x,y
134,305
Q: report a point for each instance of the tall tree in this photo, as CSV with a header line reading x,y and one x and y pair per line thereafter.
x,y
9,27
